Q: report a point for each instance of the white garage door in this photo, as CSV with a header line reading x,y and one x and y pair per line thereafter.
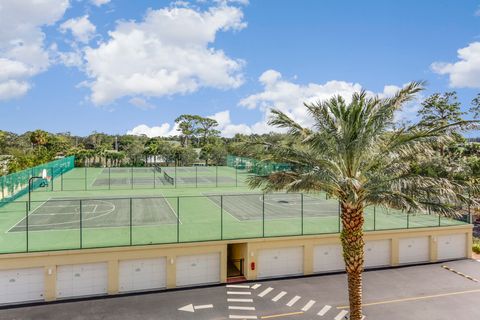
x,y
280,262
412,250
21,285
377,253
142,274
328,257
198,269
452,246
82,280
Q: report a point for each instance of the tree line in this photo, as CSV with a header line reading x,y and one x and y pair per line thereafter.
x,y
199,140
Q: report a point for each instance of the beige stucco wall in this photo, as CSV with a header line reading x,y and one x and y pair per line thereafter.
x,y
50,260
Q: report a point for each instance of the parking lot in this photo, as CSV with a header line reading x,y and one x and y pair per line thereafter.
x,y
448,290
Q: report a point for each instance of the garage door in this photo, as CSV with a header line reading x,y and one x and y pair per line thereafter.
x,y
328,258
452,246
412,250
143,274
377,253
21,285
280,262
198,269
81,280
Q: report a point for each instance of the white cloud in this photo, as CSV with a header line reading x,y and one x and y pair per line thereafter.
x,y
465,73
164,130
81,28
99,3
22,50
167,53
141,103
289,98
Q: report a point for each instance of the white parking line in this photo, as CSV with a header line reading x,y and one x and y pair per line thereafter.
x,y
256,286
240,308
238,286
292,302
341,315
242,317
239,292
239,300
308,305
265,292
279,296
324,310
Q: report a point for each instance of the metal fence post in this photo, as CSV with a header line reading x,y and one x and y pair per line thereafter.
x,y
221,217
236,177
301,210
178,219
470,218
216,175
263,215
26,225
132,177
61,180
85,178
196,177
131,221
439,220
81,225
175,175
408,220
374,218
154,177
339,218
109,178
51,177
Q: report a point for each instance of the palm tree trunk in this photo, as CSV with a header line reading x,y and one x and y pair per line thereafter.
x,y
353,254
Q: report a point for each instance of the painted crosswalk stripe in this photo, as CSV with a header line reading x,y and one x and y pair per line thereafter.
x,y
238,286
265,292
239,292
292,302
239,300
308,305
324,310
240,308
241,317
341,315
205,306
256,286
279,296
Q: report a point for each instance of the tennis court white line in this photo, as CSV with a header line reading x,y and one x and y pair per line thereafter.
x,y
293,301
308,305
265,292
238,286
223,209
239,300
324,310
31,212
246,293
241,317
341,315
256,286
279,296
240,308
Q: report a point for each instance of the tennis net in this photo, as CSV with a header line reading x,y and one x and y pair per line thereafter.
x,y
168,178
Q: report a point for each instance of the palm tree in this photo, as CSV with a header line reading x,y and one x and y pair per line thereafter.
x,y
354,153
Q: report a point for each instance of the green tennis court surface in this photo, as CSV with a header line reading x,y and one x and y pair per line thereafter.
x,y
141,206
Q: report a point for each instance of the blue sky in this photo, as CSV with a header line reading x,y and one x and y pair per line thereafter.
x,y
133,66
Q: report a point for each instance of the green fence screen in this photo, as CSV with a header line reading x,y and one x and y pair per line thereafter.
x,y
15,185
256,167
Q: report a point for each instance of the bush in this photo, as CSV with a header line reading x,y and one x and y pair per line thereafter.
x,y
476,245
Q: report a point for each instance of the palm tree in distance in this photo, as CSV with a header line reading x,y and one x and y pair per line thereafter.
x,y
354,153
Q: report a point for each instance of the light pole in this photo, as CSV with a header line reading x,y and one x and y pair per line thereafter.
x,y
44,176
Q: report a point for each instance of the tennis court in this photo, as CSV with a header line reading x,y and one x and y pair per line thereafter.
x,y
99,207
